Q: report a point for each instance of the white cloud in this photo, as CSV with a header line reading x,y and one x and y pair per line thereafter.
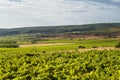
x,y
55,12
116,0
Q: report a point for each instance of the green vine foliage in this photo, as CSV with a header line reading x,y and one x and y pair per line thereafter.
x,y
91,65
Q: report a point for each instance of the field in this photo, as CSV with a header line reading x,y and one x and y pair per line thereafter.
x,y
62,59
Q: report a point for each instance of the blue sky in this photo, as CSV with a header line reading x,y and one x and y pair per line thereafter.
x,y
27,13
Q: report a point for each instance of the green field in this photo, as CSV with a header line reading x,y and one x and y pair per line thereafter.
x,y
62,62
86,42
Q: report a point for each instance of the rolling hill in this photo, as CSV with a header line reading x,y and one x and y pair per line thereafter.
x,y
110,29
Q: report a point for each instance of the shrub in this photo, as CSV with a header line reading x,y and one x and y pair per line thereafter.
x,y
118,45
94,47
81,47
33,41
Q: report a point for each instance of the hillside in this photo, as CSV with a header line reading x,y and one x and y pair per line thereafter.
x,y
96,29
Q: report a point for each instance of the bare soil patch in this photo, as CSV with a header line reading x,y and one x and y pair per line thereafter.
x,y
99,49
49,44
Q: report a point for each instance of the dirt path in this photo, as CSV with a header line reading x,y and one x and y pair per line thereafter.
x,y
49,44
99,49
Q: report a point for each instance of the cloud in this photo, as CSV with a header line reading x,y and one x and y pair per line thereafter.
x,y
56,12
116,0
15,0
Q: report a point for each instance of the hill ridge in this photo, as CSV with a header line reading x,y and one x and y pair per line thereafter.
x,y
86,28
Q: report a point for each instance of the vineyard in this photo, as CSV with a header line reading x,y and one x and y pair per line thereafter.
x,y
76,59
39,64
8,44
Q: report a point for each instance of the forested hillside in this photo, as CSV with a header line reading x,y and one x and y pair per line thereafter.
x,y
96,29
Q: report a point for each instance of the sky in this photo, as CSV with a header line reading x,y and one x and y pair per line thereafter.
x,y
28,13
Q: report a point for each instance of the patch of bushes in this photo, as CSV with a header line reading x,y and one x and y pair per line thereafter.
x,y
81,47
118,45
8,44
94,47
33,41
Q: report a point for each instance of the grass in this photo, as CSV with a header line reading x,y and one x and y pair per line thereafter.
x,y
64,47
88,43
